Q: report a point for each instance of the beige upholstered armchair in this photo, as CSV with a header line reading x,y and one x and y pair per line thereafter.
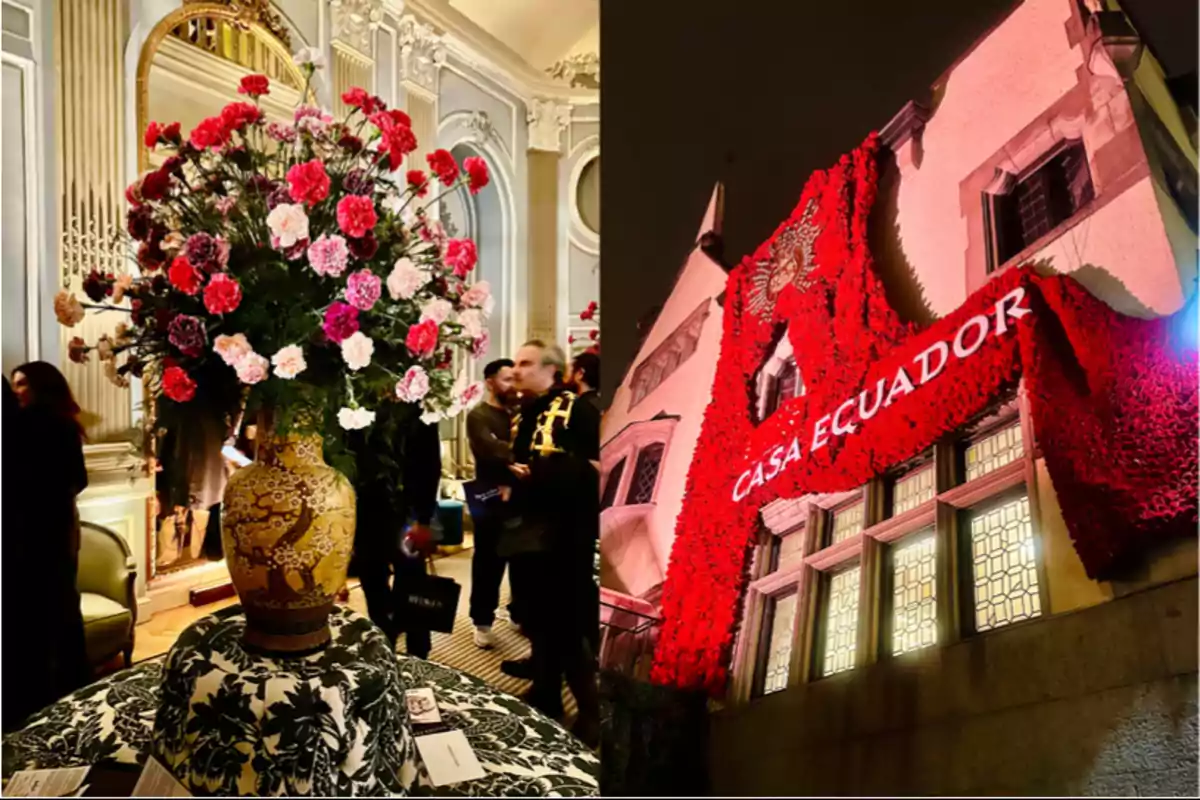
x,y
107,573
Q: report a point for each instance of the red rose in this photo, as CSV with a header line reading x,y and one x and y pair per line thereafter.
x,y
308,183
237,116
223,294
443,165
356,215
155,185
184,277
255,86
418,182
211,132
177,385
422,338
461,256
357,97
477,172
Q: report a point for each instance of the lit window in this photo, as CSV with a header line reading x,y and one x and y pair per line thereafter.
x,y
994,451
645,474
841,621
791,550
912,491
1039,202
914,593
612,485
847,522
779,644
1004,565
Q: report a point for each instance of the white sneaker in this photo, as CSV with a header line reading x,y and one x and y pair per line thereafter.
x,y
484,638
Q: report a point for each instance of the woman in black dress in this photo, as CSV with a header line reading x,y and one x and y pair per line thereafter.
x,y
52,474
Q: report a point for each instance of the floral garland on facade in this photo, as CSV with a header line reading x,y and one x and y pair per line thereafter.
x,y
1123,461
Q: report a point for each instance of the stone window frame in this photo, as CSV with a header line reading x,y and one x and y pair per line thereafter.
x,y
948,513
670,355
625,448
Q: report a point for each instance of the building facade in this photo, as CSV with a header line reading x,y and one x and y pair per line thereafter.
x,y
518,86
934,631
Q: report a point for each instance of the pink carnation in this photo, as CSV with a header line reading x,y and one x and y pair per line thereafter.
x,y
328,255
413,387
356,215
478,295
363,289
253,368
232,349
341,322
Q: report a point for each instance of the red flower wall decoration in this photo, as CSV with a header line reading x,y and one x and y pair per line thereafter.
x,y
1113,401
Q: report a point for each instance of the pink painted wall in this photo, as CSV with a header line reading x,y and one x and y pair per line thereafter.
x,y
685,393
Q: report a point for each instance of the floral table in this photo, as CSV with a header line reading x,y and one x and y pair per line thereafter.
x,y
523,752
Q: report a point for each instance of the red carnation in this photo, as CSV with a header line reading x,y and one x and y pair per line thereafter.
x,y
419,182
350,143
171,134
238,115
150,256
443,165
461,256
363,249
255,86
153,131
398,138
422,338
357,97
308,183
477,172
184,277
211,132
223,294
356,215
177,385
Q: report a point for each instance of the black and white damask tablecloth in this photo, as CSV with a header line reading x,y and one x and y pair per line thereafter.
x,y
523,752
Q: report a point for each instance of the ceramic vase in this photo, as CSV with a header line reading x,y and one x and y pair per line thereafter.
x,y
287,529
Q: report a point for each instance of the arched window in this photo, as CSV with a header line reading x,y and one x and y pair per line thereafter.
x,y
645,474
782,387
611,486
778,379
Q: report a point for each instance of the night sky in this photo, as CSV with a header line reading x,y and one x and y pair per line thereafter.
x,y
759,94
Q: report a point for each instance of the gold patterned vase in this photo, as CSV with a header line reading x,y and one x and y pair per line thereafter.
x,y
287,528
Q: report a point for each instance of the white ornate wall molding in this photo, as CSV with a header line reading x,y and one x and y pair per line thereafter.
x,y
355,21
582,236
480,128
582,69
422,55
547,119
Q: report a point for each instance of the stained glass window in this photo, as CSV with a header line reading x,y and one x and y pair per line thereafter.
x,y
645,474
914,593
1004,561
841,621
912,491
779,646
993,452
847,522
611,486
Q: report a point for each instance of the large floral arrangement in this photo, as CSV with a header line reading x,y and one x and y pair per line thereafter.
x,y
295,268
1113,400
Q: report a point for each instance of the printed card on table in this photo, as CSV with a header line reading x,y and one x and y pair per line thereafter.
x,y
449,758
47,782
422,706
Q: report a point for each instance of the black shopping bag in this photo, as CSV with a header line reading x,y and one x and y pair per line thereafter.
x,y
429,602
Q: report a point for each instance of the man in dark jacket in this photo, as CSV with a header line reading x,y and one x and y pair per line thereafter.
x,y
557,443
386,504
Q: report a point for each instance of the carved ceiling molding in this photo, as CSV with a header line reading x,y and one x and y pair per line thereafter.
x,y
582,69
547,120
247,12
355,21
422,53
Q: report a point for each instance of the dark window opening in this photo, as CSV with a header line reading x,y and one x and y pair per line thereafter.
x,y
645,474
610,488
1041,201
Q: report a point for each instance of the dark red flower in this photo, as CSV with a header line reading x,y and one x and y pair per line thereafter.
x,y
255,86
139,223
173,166
363,248
350,143
358,182
443,165
177,385
155,185
135,312
477,172
171,134
341,321
150,256
96,287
